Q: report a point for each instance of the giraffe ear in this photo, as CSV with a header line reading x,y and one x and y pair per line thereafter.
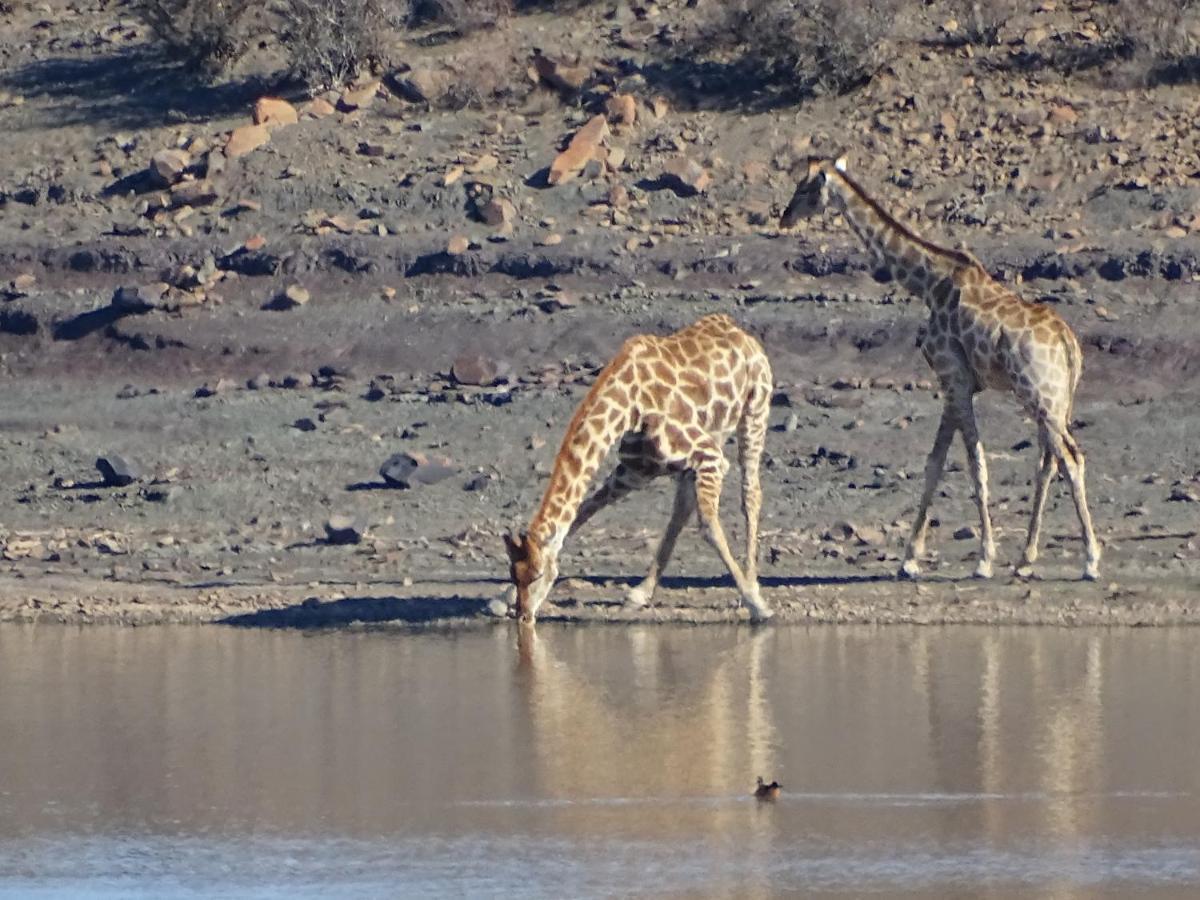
x,y
840,163
514,545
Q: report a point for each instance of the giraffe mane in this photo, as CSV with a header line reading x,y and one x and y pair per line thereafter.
x,y
961,257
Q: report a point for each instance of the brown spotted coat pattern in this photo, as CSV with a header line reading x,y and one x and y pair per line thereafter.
x,y
980,335
670,402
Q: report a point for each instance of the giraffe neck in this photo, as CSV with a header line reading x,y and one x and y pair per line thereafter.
x,y
605,414
917,264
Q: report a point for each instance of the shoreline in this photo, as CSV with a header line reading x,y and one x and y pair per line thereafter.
x,y
462,604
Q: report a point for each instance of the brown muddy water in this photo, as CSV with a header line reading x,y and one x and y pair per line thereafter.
x,y
599,761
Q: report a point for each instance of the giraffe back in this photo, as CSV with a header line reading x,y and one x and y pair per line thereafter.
x,y
699,377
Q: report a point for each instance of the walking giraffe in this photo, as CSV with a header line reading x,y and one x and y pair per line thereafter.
x,y
980,335
671,401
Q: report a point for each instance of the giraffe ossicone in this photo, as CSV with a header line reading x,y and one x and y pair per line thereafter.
x,y
671,402
979,335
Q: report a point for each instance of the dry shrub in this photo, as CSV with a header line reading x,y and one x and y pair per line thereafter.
x,y
816,45
206,35
465,16
330,42
1164,35
980,21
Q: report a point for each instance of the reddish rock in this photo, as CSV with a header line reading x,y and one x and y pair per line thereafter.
x,y
273,111
621,109
168,166
199,192
245,139
359,97
477,369
458,245
318,108
582,149
557,74
498,211
685,176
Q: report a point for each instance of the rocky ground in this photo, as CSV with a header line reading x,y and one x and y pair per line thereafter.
x,y
253,319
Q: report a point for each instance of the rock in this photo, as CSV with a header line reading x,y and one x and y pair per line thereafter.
x,y
305,424
498,211
23,282
259,382
583,147
289,298
1181,494
211,390
359,97
457,245
410,470
344,529
841,531
557,74
245,139
622,110
477,369
193,193
273,111
966,533
618,197
496,608
478,481
423,85
168,166
871,535
318,108
483,165
116,471
686,177
137,299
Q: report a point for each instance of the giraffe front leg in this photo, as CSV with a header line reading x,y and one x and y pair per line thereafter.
x,y
685,503
979,475
709,464
934,465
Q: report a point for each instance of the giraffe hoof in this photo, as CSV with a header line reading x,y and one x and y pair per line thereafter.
x,y
983,569
638,596
761,614
909,570
1091,572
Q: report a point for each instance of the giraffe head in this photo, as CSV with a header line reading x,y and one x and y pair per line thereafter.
x,y
812,193
533,571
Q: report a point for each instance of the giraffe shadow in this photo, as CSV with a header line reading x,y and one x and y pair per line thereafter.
x,y
317,613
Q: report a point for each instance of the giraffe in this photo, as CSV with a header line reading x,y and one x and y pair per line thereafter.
x,y
979,335
671,401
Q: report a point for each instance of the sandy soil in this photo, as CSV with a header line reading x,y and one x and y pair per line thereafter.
x,y
252,426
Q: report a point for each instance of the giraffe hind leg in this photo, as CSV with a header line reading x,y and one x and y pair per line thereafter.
x,y
1072,459
707,461
1045,473
751,432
